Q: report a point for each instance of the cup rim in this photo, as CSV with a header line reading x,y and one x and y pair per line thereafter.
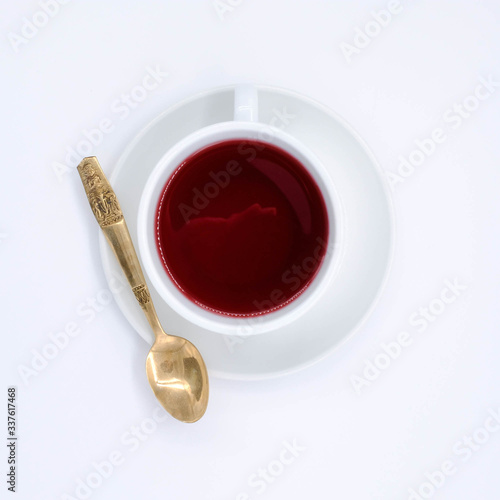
x,y
229,324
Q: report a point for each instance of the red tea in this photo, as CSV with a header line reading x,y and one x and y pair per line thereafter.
x,y
241,228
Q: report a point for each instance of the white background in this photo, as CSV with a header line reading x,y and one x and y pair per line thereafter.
x,y
374,445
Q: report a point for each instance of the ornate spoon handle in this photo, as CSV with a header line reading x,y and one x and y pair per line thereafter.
x,y
109,215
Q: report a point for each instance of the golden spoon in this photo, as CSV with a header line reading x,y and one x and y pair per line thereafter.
x,y
176,371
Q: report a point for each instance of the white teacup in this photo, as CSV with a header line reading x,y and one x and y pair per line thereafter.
x,y
245,127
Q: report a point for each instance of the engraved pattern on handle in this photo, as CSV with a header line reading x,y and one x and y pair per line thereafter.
x,y
102,198
108,213
141,293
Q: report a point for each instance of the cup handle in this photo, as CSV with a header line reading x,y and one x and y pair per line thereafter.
x,y
246,103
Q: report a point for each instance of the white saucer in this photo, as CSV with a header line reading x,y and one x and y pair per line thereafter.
x,y
369,233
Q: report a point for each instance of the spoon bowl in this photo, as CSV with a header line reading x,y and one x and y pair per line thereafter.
x,y
178,377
